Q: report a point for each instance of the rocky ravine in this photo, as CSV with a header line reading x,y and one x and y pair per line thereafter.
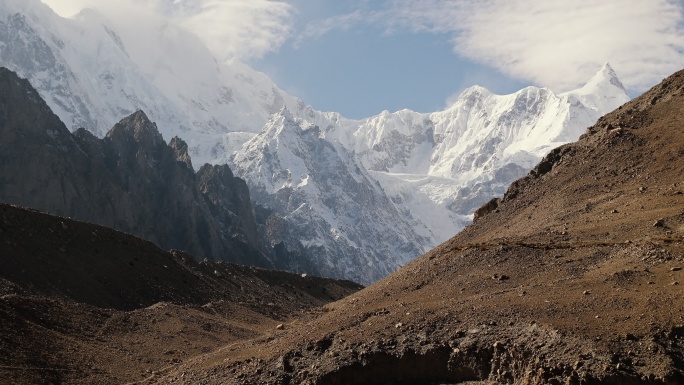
x,y
575,276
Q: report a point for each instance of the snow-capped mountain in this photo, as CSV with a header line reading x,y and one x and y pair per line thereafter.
x,y
331,207
354,198
436,169
444,165
92,71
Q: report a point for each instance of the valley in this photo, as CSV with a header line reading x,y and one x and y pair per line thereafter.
x,y
573,276
167,217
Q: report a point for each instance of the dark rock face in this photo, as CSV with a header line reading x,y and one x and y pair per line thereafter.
x,y
130,180
227,198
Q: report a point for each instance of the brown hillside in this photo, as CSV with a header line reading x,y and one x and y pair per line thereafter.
x,y
575,278
84,304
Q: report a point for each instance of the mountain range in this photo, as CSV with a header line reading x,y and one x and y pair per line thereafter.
x,y
423,175
338,197
573,276
569,274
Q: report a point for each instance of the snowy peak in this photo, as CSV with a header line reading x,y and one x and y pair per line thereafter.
x,y
604,82
603,93
607,74
471,94
330,207
281,120
434,169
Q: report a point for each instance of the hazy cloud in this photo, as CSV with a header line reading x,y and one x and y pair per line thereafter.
x,y
344,22
554,43
237,28
231,28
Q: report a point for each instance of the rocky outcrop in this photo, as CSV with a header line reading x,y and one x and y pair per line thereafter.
x,y
486,209
130,180
228,200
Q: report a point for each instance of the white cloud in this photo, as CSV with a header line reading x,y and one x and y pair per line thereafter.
x,y
243,29
559,43
238,28
555,43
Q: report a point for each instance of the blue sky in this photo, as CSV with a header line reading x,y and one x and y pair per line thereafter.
x,y
364,71
360,57
370,64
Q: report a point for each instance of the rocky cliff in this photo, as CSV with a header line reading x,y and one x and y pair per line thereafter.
x,y
130,180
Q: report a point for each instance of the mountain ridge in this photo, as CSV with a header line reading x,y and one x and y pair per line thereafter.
x,y
130,180
331,214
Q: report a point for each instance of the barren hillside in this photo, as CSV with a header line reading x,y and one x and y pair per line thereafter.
x,y
573,277
84,304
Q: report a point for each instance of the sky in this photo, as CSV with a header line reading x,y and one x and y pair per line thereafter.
x,y
360,57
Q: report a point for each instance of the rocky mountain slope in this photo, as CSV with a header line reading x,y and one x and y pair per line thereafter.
x,y
130,180
84,304
574,276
